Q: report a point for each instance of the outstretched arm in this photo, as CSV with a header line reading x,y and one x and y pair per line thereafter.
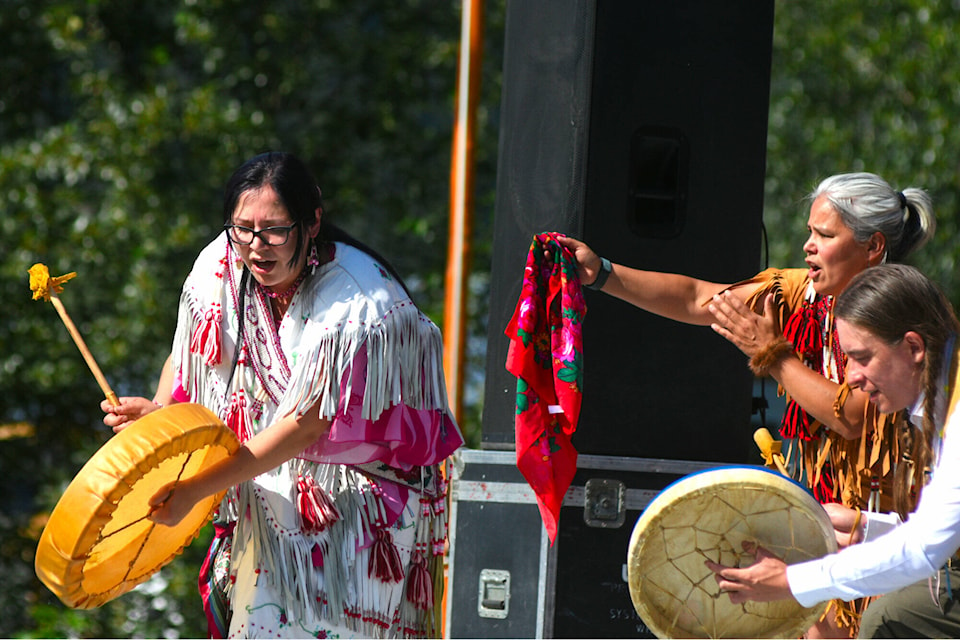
x,y
682,298
670,295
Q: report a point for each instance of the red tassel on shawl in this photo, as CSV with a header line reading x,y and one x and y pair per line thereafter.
x,y
804,328
237,419
206,336
420,585
804,331
385,559
546,355
823,491
317,510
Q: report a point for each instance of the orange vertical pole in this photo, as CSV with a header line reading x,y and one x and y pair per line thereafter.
x,y
459,250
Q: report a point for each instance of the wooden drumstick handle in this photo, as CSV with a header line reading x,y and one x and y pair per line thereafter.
x,y
84,351
770,449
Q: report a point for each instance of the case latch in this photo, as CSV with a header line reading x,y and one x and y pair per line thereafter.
x,y
604,503
493,601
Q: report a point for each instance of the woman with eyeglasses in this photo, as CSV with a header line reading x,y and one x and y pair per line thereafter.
x,y
333,524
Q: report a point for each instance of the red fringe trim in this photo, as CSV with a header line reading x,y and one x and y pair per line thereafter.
x,y
824,490
420,585
316,507
206,337
237,419
385,559
803,331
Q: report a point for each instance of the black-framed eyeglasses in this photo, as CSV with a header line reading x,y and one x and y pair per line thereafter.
x,y
273,236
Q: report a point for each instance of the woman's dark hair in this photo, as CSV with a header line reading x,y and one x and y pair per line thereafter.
x,y
298,191
291,181
888,301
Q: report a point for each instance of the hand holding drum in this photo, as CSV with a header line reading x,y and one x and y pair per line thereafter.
x,y
709,516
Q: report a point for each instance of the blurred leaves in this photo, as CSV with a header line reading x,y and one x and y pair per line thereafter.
x,y
120,122
865,87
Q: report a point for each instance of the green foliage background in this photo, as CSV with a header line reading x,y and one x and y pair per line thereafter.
x,y
120,121
865,87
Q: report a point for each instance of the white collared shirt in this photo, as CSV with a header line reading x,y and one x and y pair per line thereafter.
x,y
908,553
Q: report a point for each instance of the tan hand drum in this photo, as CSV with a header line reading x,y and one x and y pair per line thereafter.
x,y
706,516
98,543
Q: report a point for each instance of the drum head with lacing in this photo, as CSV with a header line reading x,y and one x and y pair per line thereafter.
x,y
98,543
706,516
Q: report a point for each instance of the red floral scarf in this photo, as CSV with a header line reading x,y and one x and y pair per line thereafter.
x,y
546,355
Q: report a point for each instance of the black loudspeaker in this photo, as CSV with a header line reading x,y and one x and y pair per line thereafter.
x,y
640,127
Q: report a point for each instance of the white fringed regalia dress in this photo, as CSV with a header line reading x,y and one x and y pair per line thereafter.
x,y
345,540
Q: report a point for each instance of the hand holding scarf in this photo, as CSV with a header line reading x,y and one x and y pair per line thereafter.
x,y
546,355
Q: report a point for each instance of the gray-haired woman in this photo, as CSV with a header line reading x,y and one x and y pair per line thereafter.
x,y
782,319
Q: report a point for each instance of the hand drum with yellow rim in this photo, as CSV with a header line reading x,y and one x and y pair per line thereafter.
x,y
98,543
706,516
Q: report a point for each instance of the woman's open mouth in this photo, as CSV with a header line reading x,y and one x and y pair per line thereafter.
x,y
263,266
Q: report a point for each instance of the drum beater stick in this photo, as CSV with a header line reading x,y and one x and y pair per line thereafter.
x,y
43,286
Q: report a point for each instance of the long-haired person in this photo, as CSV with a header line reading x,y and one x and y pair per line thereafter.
x,y
900,335
782,320
307,345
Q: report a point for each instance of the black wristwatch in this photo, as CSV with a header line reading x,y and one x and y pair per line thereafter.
x,y
605,269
